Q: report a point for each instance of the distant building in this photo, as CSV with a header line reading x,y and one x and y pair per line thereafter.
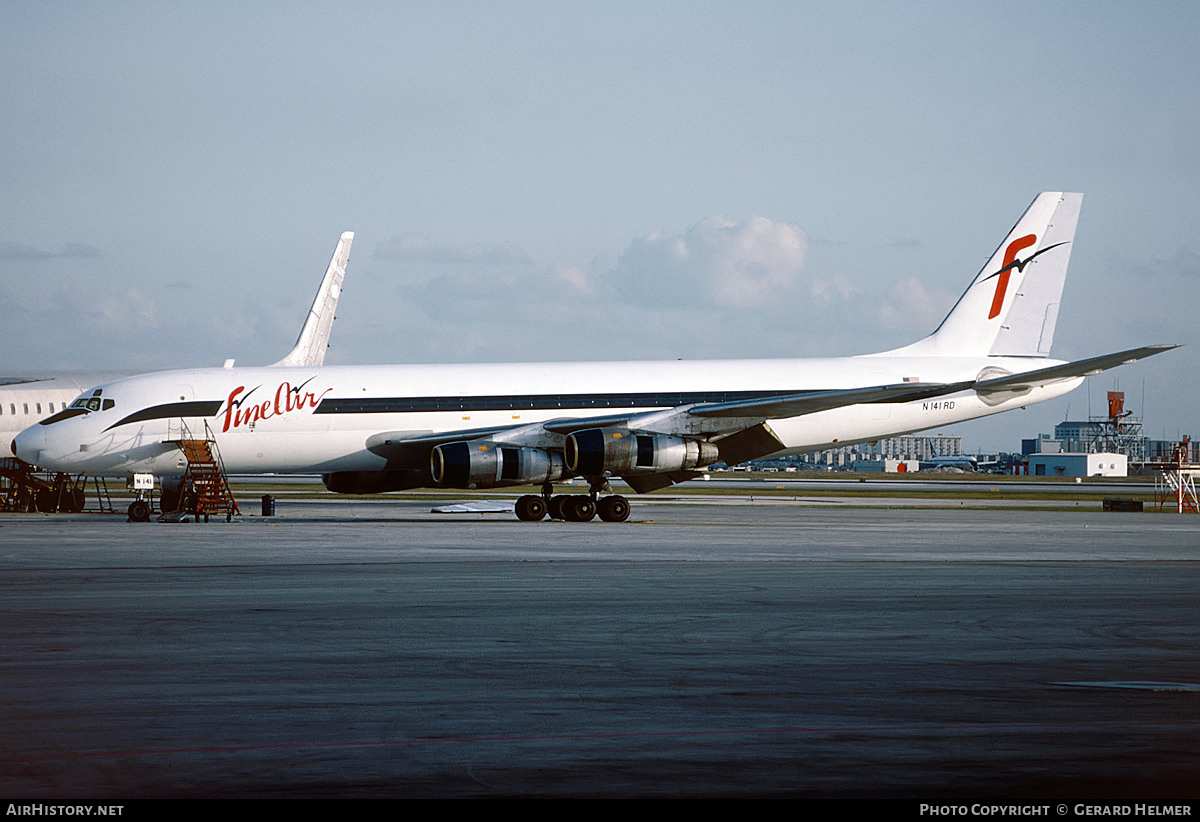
x,y
1043,444
1079,465
887,466
909,448
1103,435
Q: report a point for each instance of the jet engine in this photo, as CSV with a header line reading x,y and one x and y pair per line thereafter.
x,y
375,482
593,451
486,464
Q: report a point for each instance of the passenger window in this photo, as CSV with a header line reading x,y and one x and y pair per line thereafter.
x,y
25,405
39,408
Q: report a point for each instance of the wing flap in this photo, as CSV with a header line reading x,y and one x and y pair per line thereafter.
x,y
645,483
748,444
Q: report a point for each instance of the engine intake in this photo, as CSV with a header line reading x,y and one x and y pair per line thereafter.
x,y
486,464
620,451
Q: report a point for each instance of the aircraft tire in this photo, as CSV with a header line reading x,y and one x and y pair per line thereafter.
x,y
614,508
557,506
139,511
531,508
46,501
579,508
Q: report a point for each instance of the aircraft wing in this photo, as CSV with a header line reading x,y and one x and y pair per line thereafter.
x,y
774,407
740,428
738,425
810,402
387,443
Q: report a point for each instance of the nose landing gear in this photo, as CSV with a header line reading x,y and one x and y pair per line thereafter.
x,y
139,510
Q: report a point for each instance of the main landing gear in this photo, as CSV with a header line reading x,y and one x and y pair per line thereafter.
x,y
572,507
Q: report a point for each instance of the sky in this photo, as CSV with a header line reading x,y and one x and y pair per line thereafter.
x,y
593,180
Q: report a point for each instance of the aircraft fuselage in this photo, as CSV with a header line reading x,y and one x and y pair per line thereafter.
x,y
318,420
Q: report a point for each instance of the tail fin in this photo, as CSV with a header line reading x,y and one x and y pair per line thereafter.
x,y
314,336
1012,304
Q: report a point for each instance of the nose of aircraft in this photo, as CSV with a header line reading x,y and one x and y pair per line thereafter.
x,y
28,445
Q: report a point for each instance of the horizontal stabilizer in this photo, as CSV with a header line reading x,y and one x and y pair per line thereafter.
x,y
1056,373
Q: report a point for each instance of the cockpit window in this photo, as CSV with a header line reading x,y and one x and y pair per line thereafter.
x,y
86,405
93,404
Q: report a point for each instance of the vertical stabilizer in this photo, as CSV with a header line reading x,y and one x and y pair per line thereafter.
x,y
314,336
1011,306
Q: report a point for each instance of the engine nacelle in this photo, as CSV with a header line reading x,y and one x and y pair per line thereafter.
x,y
486,464
374,482
620,451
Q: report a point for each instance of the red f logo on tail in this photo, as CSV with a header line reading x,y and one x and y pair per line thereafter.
x,y
1010,258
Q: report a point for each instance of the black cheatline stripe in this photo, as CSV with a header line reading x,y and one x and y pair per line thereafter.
x,y
65,414
534,402
198,408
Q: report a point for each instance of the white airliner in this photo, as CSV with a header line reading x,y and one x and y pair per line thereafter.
x,y
370,429
25,400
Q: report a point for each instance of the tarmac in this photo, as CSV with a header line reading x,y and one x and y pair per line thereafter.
x,y
374,649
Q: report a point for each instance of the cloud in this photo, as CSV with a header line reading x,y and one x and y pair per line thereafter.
x,y
71,327
717,262
1184,263
131,309
418,247
911,305
720,287
18,252
572,278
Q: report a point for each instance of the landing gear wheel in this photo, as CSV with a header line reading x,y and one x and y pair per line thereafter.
x,y
46,501
614,509
579,508
557,506
139,511
531,508
76,500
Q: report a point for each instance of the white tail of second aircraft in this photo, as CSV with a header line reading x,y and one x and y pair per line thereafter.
x,y
314,335
1011,307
